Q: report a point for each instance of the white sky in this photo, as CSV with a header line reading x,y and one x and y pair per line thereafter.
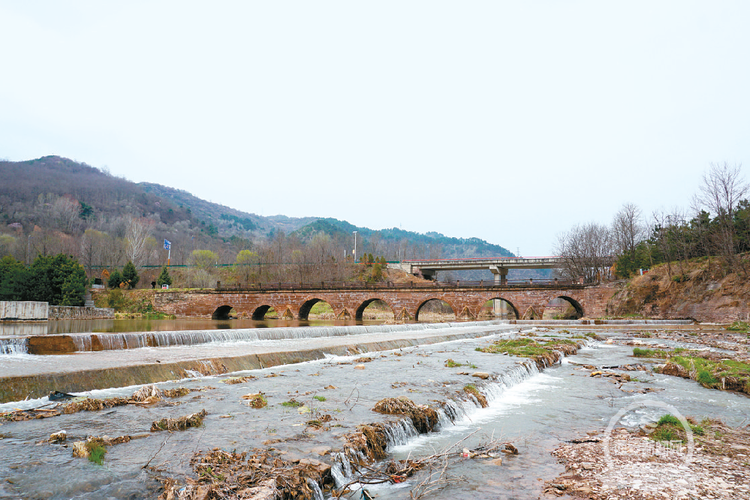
x,y
508,121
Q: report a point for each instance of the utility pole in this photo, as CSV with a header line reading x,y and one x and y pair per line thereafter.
x,y
355,246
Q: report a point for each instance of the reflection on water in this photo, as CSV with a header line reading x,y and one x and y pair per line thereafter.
x,y
158,325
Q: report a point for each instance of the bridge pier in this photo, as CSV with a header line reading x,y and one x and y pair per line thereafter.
x,y
501,275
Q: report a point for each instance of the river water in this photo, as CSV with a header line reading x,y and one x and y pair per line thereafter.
x,y
158,325
535,411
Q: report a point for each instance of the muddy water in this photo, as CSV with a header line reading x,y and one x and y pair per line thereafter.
x,y
533,410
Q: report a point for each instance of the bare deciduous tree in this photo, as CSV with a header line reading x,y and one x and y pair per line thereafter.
x,y
137,232
628,229
587,252
92,249
722,189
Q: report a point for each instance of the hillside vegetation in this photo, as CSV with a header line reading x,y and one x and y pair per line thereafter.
x,y
54,205
698,289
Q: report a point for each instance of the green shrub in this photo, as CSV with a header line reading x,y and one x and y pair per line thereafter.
x,y
96,452
116,300
738,326
705,378
665,434
669,419
292,403
668,428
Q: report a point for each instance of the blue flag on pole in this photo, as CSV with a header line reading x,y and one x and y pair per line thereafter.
x,y
167,244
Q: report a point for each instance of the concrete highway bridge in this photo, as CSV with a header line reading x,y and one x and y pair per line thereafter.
x,y
349,300
499,266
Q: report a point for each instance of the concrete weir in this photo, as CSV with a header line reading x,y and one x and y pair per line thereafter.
x,y
35,376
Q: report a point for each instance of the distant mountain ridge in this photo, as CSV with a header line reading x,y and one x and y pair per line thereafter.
x,y
449,247
103,197
227,219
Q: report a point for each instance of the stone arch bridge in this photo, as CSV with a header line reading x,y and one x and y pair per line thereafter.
x,y
527,302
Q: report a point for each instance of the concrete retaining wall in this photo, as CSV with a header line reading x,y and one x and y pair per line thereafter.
x,y
71,312
23,311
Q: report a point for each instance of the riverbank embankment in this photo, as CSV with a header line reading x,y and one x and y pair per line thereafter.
x,y
25,311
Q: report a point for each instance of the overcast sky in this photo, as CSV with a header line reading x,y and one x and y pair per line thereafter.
x,y
508,121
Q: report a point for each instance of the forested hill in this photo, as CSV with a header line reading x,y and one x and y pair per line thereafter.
x,y
434,245
48,204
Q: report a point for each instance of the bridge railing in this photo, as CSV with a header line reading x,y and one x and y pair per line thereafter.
x,y
388,285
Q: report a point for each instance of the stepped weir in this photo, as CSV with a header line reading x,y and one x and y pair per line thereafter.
x,y
37,365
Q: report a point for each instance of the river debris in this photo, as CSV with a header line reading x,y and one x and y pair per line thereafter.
x,y
238,380
94,448
423,417
257,400
30,414
146,395
257,474
58,437
435,467
638,467
179,424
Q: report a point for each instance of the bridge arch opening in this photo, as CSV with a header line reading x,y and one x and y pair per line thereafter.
x,y
374,309
563,308
316,309
435,311
264,312
223,312
498,308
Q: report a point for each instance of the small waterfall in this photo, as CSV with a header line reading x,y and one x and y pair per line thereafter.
x,y
400,432
317,492
449,412
341,470
13,346
82,342
135,340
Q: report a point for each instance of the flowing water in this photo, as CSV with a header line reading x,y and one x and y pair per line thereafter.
x,y
155,325
535,411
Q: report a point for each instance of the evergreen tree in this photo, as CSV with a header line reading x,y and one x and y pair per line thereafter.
x,y
13,276
58,280
73,290
130,275
114,279
377,273
164,277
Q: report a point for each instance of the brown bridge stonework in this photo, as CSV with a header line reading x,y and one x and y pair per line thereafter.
x,y
466,302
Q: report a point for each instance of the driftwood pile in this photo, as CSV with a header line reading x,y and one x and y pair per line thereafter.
x,y
258,474
179,424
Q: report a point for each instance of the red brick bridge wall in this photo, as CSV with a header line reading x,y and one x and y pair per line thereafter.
x,y
405,303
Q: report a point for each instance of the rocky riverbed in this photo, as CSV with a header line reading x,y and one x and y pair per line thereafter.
x,y
473,418
684,459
